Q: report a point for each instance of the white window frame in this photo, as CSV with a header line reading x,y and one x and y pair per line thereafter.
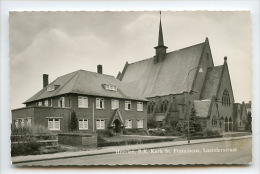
x,y
100,101
82,102
54,123
83,124
46,103
39,103
140,124
62,105
128,124
51,88
114,104
111,87
140,106
128,105
16,123
29,122
100,124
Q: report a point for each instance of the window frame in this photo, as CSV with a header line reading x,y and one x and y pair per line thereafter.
x,y
98,102
62,105
46,103
128,103
55,122
138,106
128,124
84,100
102,124
138,124
114,105
84,124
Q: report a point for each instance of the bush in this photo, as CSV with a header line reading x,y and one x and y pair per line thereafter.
x,y
134,131
24,142
105,133
151,124
209,132
157,132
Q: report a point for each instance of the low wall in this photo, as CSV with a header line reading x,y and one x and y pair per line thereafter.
x,y
78,139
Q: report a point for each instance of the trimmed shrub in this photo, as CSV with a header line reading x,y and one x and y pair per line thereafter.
x,y
157,132
209,132
134,131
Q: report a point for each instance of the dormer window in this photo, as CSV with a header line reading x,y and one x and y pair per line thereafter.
x,y
52,87
110,87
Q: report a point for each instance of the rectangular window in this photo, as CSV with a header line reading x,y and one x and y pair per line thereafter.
x,y
39,103
54,124
50,88
69,103
22,122
29,122
61,102
100,103
51,102
100,124
128,105
128,123
115,104
16,123
46,103
140,123
140,106
82,102
83,124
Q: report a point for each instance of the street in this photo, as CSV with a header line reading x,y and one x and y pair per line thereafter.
x,y
224,152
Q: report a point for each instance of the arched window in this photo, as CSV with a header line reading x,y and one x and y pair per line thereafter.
x,y
225,98
214,121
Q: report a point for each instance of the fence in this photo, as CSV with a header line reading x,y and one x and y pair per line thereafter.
x,y
46,140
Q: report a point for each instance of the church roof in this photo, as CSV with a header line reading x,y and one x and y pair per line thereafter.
x,y
202,108
211,82
88,83
167,77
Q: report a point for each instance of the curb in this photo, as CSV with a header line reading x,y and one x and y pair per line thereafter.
x,y
137,148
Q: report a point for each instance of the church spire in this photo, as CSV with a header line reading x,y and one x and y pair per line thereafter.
x,y
160,50
160,39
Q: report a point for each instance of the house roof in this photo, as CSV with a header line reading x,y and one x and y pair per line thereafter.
x,y
167,77
88,83
202,108
211,82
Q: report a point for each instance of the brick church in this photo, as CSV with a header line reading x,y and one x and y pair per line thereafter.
x,y
163,88
174,82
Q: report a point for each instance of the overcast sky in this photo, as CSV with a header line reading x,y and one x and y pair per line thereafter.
x,y
57,43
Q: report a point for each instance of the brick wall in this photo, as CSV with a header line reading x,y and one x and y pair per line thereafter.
x,y
77,139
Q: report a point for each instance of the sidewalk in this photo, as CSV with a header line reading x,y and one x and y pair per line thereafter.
x,y
113,149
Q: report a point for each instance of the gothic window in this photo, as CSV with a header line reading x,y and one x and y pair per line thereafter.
x,y
225,98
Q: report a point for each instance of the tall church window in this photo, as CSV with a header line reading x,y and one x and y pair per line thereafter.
x,y
225,98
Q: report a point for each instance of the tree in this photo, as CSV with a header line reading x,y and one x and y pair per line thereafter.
x,y
73,122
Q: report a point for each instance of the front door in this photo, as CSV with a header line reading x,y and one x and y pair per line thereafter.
x,y
117,128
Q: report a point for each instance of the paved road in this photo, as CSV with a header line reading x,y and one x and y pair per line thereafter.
x,y
225,152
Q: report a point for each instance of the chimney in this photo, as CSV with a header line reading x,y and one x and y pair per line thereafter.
x,y
45,80
99,69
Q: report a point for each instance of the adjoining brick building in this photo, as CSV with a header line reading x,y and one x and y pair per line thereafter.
x,y
100,102
176,81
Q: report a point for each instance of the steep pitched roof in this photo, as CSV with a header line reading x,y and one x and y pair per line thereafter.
x,y
202,108
211,82
89,83
167,77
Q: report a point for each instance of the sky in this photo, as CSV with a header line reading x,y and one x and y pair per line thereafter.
x,y
57,43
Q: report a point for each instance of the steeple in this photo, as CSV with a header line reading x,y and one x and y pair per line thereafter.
x,y
160,50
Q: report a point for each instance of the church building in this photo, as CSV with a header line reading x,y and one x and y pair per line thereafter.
x,y
177,81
